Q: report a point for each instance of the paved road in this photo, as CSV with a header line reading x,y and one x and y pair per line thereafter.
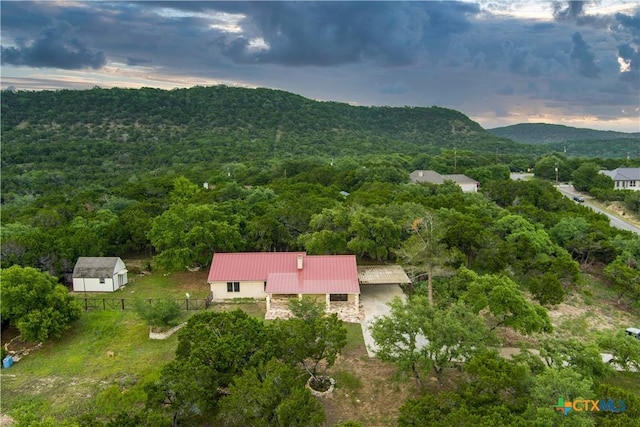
x,y
616,222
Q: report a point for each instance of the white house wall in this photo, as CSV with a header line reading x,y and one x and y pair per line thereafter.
x,y
247,290
627,185
469,188
92,285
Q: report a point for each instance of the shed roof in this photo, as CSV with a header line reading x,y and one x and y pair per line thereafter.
x,y
92,267
382,274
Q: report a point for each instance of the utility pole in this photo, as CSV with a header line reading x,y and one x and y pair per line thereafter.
x,y
556,174
455,159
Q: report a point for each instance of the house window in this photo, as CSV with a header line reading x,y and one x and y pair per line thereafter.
x,y
338,297
102,281
233,286
632,183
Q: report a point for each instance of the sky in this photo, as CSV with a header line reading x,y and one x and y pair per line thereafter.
x,y
500,62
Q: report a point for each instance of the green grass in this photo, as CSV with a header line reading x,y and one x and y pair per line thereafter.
x,y
67,373
159,285
625,380
355,341
347,381
255,309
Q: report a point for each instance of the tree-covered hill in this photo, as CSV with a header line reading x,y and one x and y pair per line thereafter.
x,y
543,133
574,142
153,126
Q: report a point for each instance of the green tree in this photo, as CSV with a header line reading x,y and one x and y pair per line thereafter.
x,y
624,275
213,348
493,380
311,339
188,235
452,409
585,242
424,251
270,395
547,289
550,167
625,349
583,357
555,383
36,304
420,338
503,303
372,236
584,176
184,192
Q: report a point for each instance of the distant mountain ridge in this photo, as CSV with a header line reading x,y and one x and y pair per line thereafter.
x,y
544,133
221,123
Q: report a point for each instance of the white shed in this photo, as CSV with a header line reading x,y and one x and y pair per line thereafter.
x,y
99,274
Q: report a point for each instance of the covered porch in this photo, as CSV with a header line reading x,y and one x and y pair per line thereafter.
x,y
346,306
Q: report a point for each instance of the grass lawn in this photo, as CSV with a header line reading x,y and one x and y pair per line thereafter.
x,y
626,380
68,375
75,374
159,285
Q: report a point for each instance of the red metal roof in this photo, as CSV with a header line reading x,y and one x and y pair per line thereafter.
x,y
320,274
251,266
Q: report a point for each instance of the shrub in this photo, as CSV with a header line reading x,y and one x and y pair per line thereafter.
x,y
159,313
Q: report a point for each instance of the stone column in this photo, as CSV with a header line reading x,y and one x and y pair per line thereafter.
x,y
328,302
268,302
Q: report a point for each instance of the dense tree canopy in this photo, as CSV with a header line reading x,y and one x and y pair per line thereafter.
x,y
36,304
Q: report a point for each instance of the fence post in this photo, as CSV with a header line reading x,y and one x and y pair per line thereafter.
x,y
86,307
187,304
122,304
104,304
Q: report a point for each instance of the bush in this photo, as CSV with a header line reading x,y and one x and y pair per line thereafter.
x,y
159,313
547,289
633,201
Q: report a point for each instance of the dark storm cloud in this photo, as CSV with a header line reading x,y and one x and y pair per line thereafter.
x,y
56,47
569,11
335,33
583,57
408,53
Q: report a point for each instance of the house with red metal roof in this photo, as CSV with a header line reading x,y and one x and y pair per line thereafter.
x,y
279,276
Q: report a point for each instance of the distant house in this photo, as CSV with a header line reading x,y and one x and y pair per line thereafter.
x,y
279,276
467,184
99,274
624,178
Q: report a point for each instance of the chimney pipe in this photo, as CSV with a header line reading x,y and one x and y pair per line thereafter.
x,y
299,262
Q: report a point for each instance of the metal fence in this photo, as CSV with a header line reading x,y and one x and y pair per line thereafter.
x,y
186,304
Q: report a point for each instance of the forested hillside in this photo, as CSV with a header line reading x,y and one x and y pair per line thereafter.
x,y
543,133
574,142
174,176
107,135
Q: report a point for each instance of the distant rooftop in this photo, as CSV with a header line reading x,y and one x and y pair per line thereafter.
x,y
434,177
623,174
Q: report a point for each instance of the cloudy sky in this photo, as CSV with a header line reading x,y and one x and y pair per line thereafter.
x,y
498,61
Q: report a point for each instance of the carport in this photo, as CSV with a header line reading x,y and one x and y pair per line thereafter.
x,y
379,284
